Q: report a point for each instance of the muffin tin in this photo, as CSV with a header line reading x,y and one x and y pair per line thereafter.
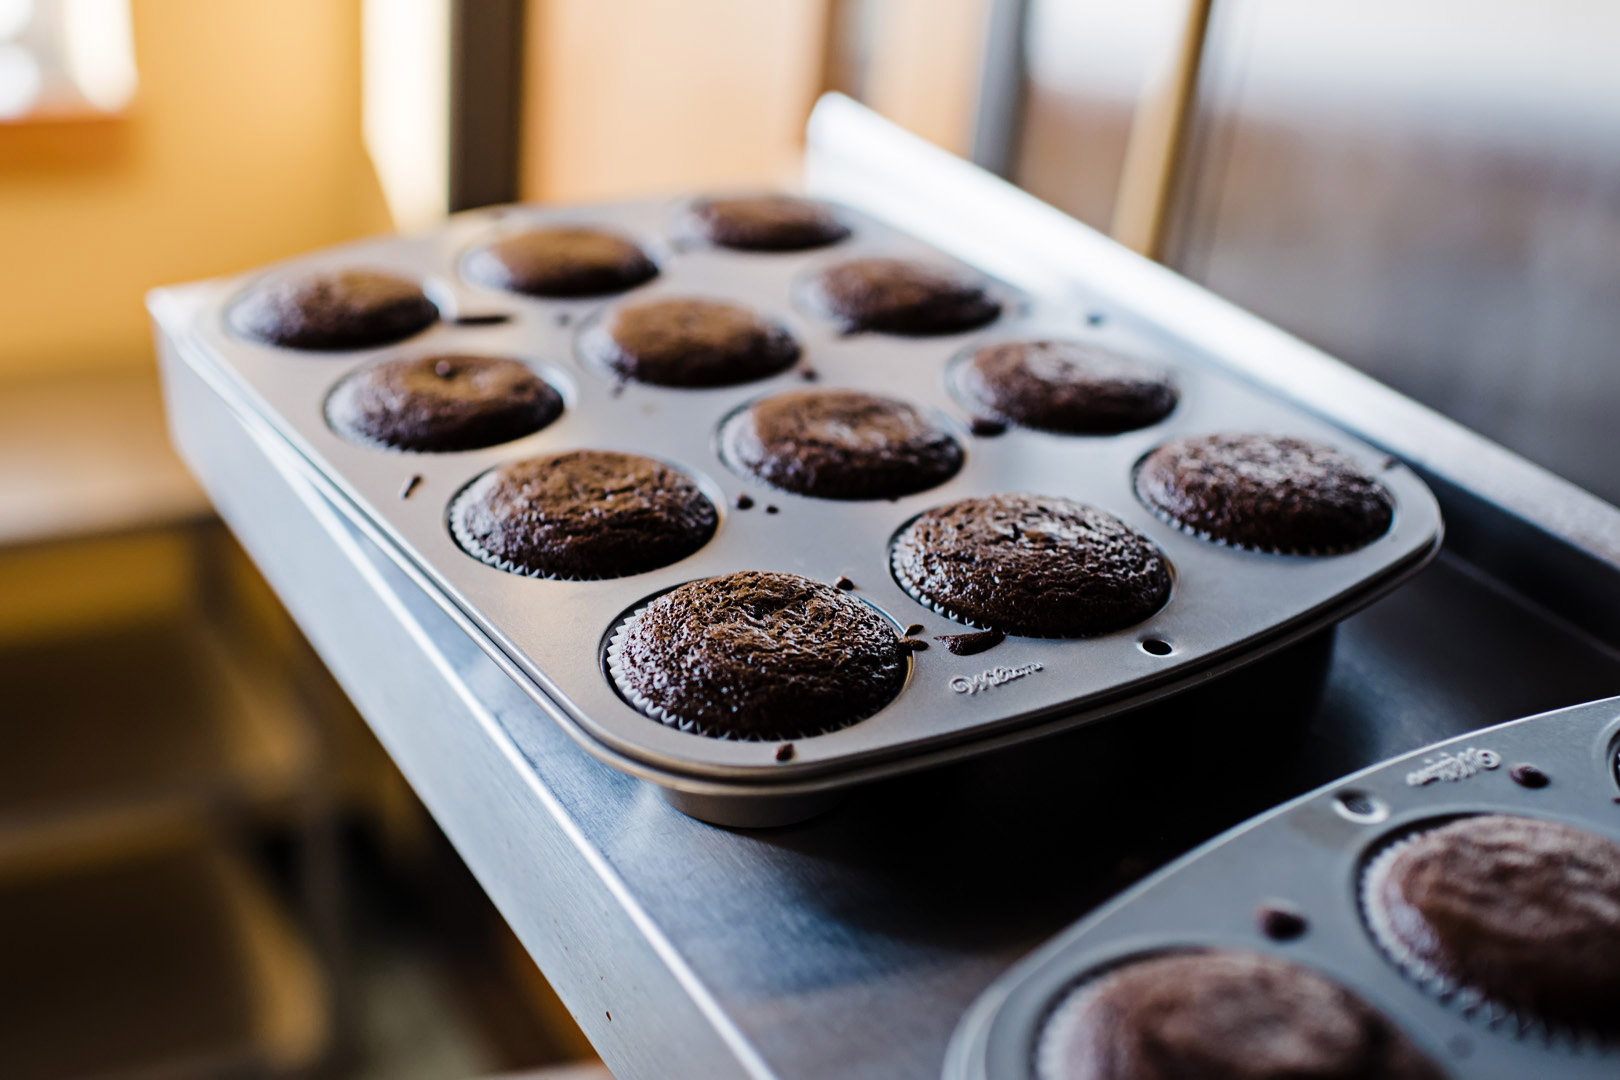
x,y
1306,860
1228,606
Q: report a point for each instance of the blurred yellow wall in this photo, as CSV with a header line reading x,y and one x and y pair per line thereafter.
x,y
243,145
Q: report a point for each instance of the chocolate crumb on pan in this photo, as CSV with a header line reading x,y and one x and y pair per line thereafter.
x,y
688,342
1034,565
841,444
1281,922
442,403
408,488
582,515
332,310
561,261
764,222
1527,775
1513,918
1221,1015
900,296
972,644
1265,492
757,655
1071,387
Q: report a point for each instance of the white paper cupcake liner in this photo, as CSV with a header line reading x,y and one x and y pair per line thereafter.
x,y
469,543
621,681
1044,1062
1472,1002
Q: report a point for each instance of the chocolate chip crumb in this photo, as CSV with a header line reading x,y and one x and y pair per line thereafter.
x,y
1527,775
1279,922
489,318
743,501
912,644
409,486
844,583
971,644
988,426
784,752
809,374
769,509
914,629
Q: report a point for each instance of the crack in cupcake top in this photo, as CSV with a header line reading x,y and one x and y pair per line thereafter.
x,y
842,444
760,655
443,402
586,514
1032,564
689,341
1270,492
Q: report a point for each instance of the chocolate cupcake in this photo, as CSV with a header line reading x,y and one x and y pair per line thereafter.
x,y
688,342
583,514
1031,564
899,296
1221,1015
333,309
561,261
441,403
841,444
1267,492
1512,915
757,655
765,223
1064,386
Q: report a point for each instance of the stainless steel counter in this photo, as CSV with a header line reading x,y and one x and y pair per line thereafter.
x,y
849,945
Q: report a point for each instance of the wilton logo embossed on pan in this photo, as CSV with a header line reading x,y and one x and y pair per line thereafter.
x,y
989,680
1453,767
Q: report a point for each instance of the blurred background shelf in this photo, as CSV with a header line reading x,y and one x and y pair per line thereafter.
x,y
168,721
89,455
172,959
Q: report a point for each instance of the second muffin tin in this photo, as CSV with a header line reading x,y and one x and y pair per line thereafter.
x,y
1227,607
1307,859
